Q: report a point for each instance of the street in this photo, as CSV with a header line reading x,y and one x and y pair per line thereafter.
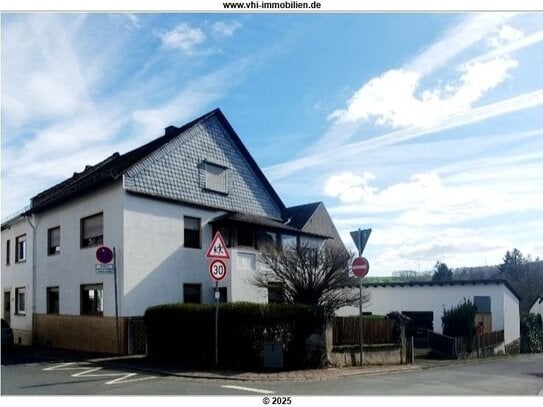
x,y
33,375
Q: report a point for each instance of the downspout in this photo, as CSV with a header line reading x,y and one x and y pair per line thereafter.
x,y
33,275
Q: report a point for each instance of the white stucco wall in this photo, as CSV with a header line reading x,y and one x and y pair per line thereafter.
x,y
504,305
75,266
17,275
156,268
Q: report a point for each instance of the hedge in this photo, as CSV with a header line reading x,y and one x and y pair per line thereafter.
x,y
185,333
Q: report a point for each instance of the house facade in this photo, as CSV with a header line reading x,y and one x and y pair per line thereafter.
x,y
425,302
158,207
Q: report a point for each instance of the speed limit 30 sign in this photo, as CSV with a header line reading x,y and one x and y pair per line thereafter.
x,y
217,269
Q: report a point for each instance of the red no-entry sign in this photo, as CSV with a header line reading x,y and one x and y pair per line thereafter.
x,y
360,267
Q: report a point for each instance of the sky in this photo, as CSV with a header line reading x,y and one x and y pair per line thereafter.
x,y
425,127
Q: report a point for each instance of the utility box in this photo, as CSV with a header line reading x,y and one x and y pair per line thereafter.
x,y
273,355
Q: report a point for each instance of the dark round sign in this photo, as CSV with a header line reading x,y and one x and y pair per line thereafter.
x,y
360,267
104,254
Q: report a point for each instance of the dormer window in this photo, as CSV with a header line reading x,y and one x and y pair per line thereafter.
x,y
216,177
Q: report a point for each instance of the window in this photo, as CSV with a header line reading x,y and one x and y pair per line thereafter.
x,y
266,241
92,299
276,293
53,241
216,179
245,236
20,301
8,251
92,230
192,232
192,293
223,298
482,303
52,300
288,241
20,249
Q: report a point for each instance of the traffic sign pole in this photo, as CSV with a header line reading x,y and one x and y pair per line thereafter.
x,y
217,295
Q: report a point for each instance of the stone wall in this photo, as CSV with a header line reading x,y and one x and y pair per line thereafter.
x,y
85,333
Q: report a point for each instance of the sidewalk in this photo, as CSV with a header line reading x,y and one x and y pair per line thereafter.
x,y
140,363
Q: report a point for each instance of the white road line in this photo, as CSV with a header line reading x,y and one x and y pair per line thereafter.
x,y
88,372
261,391
123,379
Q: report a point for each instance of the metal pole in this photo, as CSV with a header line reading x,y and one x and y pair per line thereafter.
x,y
217,323
360,292
116,302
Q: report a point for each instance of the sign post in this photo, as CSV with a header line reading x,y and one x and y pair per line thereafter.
x,y
360,268
105,255
218,253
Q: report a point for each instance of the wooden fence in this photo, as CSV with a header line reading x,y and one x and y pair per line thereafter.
x,y
346,331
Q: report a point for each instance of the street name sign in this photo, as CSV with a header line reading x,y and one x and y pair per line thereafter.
x,y
217,249
104,268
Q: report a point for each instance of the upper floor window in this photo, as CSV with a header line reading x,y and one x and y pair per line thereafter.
x,y
245,236
191,233
20,249
92,230
53,241
8,252
216,177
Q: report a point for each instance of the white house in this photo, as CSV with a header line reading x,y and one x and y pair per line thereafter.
x,y
158,206
537,306
425,301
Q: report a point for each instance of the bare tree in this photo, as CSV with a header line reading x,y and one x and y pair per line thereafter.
x,y
311,276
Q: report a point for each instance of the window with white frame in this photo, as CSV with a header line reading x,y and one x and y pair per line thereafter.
x,y
53,241
191,232
216,177
20,301
92,299
8,252
20,249
92,230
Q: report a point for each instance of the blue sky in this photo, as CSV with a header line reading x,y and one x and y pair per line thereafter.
x,y
427,128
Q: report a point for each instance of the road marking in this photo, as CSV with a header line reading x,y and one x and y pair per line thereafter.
x,y
261,391
90,372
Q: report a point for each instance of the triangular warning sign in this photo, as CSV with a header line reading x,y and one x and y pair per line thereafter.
x,y
217,249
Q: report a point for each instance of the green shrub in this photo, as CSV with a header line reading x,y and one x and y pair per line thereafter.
x,y
531,333
459,322
185,333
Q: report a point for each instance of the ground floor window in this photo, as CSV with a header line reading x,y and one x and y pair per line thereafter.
x,y
20,301
223,298
92,299
52,300
276,293
192,293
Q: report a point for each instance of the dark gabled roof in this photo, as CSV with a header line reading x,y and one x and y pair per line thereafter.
x,y
112,168
300,215
441,283
269,223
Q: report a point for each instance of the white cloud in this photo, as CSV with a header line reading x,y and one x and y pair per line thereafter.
x,y
348,187
392,99
225,28
522,102
183,37
506,34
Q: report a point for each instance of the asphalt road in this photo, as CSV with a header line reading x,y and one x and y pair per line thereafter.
x,y
34,375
